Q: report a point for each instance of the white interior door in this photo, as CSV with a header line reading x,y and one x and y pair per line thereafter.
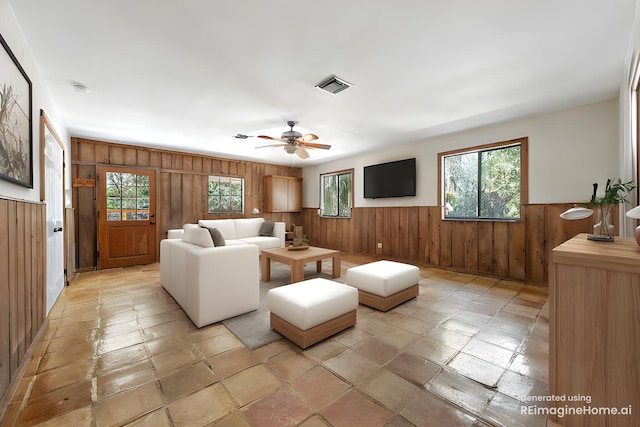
x,y
54,198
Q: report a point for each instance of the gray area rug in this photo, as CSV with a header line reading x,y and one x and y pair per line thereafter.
x,y
253,328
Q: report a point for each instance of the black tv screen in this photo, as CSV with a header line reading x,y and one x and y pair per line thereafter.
x,y
392,179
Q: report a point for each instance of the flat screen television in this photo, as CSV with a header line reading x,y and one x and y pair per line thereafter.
x,y
392,179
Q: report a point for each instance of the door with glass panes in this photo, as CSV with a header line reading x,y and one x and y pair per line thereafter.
x,y
127,225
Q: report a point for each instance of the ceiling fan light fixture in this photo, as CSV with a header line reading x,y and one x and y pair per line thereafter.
x,y
290,149
333,84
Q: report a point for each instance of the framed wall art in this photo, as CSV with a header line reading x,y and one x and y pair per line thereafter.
x,y
16,148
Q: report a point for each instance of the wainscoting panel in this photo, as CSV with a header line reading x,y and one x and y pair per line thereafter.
x,y
517,250
22,282
181,183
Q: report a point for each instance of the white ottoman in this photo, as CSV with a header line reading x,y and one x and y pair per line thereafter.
x,y
312,310
384,284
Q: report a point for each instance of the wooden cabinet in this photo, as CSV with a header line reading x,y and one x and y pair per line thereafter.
x,y
282,194
594,331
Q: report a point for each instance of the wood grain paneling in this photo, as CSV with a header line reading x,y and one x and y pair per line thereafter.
x,y
5,302
181,188
517,250
485,247
22,283
536,254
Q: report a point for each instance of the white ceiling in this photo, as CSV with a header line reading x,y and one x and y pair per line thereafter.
x,y
190,74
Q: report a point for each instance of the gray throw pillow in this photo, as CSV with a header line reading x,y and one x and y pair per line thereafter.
x,y
266,229
216,236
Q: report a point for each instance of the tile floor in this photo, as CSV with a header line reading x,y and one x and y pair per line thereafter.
x,y
120,351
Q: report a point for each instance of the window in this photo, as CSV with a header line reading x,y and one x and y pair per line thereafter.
x,y
486,182
226,195
336,198
127,197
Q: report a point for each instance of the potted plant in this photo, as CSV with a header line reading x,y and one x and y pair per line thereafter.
x,y
615,192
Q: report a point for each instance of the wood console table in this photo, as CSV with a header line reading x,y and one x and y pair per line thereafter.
x,y
594,330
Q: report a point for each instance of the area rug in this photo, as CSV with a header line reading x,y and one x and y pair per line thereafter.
x,y
253,328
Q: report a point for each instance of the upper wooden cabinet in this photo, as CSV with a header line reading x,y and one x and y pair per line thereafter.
x,y
282,194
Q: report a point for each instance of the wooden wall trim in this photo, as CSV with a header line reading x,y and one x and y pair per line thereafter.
x,y
517,250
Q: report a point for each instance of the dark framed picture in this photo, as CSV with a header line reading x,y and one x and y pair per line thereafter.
x,y
16,148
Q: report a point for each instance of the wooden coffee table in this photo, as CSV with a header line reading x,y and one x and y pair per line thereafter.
x,y
297,260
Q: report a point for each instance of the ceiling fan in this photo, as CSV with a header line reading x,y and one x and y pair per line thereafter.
x,y
295,142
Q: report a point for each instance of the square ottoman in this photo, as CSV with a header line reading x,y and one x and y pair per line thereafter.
x,y
309,311
384,284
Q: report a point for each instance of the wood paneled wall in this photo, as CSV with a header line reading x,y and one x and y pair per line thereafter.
x,y
517,250
181,187
22,282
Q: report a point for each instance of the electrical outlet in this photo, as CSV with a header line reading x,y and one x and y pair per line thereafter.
x,y
379,245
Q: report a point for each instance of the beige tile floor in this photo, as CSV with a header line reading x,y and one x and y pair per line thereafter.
x,y
120,351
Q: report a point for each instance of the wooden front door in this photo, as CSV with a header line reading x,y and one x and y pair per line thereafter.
x,y
127,223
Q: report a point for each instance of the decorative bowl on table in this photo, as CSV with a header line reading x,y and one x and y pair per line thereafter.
x,y
297,248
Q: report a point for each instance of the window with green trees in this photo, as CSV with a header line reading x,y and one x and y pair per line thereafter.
x,y
225,195
127,197
336,197
486,182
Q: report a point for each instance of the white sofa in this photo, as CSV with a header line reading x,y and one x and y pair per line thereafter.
x,y
209,283
242,231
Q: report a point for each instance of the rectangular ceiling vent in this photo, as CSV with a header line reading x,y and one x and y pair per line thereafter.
x,y
333,84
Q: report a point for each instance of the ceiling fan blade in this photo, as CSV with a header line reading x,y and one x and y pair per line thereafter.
x,y
308,137
270,138
302,153
314,145
272,145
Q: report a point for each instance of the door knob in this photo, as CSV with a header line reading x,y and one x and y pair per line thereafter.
x,y
56,229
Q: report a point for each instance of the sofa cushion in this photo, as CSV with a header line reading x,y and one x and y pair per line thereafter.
x,y
216,236
267,228
383,278
234,242
226,227
262,242
248,227
311,302
198,236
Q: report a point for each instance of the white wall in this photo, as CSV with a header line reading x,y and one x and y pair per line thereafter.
x,y
41,99
568,151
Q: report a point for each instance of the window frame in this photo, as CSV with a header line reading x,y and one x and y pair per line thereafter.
x,y
351,198
524,176
229,178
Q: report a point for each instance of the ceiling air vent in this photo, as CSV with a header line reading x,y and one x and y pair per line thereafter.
x,y
333,85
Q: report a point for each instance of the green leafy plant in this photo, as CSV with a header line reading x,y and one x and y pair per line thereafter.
x,y
615,192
